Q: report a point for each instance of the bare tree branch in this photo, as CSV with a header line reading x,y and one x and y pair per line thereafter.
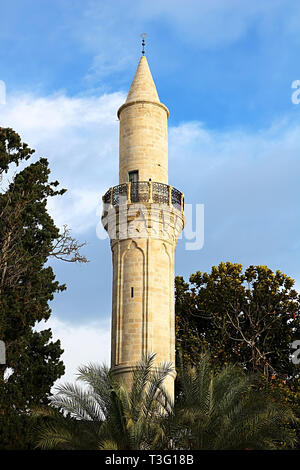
x,y
67,248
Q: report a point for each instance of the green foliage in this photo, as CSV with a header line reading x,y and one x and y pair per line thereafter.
x,y
214,410
227,410
106,414
12,150
249,318
27,235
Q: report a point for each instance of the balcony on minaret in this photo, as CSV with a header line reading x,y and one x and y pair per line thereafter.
x,y
143,192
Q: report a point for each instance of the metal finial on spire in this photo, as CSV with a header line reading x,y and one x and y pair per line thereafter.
x,y
143,36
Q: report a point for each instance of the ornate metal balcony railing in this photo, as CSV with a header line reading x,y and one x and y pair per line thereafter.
x,y
144,191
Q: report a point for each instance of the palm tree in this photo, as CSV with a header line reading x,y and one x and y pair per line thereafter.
x,y
107,415
227,410
214,410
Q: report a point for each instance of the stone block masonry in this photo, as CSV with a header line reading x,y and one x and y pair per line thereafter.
x,y
143,236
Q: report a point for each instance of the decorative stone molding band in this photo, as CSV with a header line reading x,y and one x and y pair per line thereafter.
x,y
131,103
123,369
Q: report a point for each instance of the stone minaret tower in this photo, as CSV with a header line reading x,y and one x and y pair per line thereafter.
x,y
144,217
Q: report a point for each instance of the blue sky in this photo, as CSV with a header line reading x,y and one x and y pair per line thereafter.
x,y
223,68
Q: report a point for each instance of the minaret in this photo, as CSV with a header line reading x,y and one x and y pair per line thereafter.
x,y
144,217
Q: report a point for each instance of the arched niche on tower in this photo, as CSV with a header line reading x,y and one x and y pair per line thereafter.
x,y
132,303
161,301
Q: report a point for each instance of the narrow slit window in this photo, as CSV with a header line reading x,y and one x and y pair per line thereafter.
x,y
132,292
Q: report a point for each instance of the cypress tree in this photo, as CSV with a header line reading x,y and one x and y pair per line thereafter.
x,y
28,236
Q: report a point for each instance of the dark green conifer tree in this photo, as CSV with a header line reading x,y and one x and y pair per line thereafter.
x,y
28,236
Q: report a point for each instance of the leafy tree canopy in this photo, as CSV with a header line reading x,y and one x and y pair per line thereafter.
x,y
248,317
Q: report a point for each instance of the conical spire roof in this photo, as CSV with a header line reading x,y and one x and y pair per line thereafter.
x,y
142,87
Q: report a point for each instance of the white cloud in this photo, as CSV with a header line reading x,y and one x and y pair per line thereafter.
x,y
77,209
257,170
210,24
79,136
248,182
268,156
110,30
82,344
